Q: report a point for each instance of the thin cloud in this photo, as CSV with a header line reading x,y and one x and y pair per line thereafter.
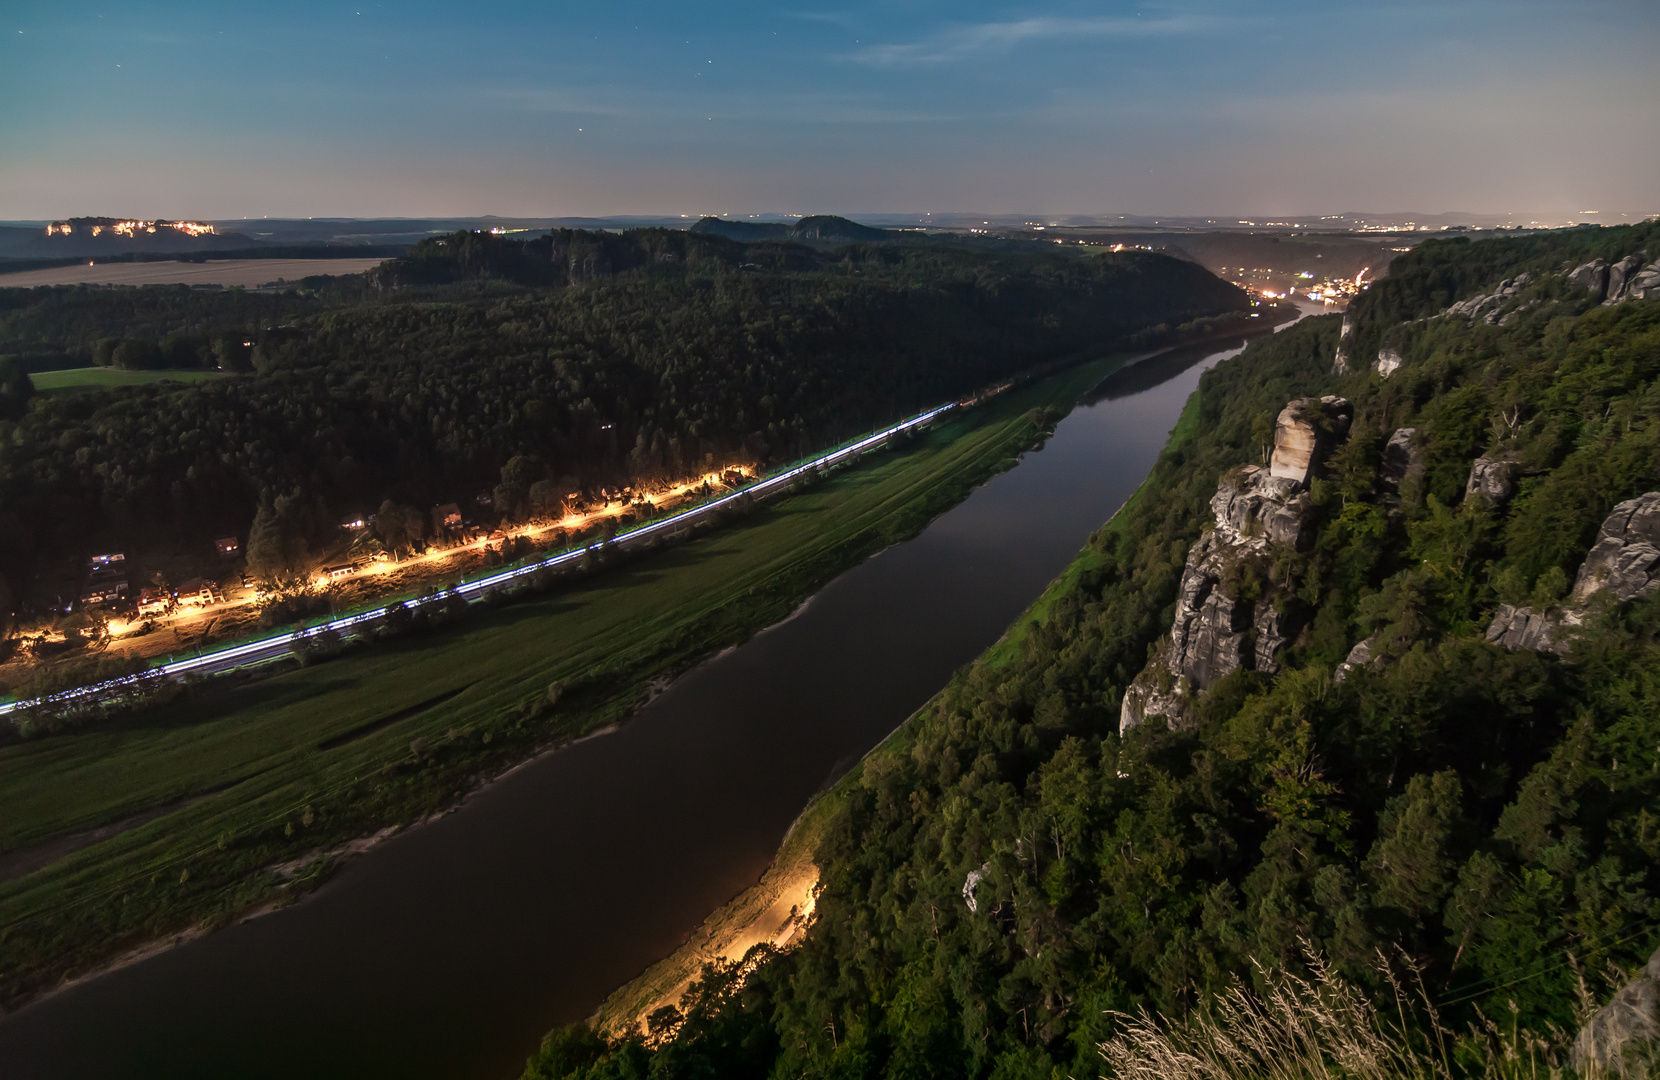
x,y
963,42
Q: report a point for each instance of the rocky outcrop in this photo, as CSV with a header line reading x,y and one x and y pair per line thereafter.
x,y
1214,632
1340,363
1494,479
1629,279
1360,656
1305,430
1626,279
1592,276
1620,1039
1401,459
1253,502
1388,362
1489,306
1522,628
1623,565
971,886
1644,284
1625,560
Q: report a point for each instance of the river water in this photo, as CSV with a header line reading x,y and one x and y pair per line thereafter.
x,y
448,951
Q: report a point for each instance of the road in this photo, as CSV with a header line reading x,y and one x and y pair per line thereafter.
x,y
279,645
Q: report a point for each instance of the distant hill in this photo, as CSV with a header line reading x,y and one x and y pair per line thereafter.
x,y
744,231
830,227
816,227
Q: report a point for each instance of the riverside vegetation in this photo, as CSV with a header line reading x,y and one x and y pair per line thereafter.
x,y
1024,877
232,795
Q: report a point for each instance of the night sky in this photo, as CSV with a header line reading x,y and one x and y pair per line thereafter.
x,y
295,108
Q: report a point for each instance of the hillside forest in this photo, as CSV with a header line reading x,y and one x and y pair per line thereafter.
x,y
1020,865
509,375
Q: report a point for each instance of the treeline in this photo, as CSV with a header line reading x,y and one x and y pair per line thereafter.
x,y
1487,815
674,352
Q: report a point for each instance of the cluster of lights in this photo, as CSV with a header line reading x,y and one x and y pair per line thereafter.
x,y
770,486
128,228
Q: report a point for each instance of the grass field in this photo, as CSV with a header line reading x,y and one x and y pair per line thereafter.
x,y
48,382
256,773
248,273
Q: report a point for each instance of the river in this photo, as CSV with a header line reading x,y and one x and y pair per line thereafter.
x,y
448,951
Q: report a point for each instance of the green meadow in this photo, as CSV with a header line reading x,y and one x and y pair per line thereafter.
x,y
102,378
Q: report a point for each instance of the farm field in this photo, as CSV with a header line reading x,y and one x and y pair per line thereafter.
x,y
250,774
248,273
49,382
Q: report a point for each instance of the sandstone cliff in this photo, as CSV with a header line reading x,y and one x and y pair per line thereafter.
x,y
1225,618
1629,278
1623,565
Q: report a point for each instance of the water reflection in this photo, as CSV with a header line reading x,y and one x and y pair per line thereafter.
x,y
1154,370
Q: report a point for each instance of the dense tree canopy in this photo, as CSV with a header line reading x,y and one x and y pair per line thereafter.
x,y
578,359
1490,813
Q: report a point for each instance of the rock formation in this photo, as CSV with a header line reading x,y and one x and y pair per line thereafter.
x,y
1519,628
1592,276
1360,656
1488,306
1625,560
1494,479
1620,1038
1340,363
1214,633
1625,279
1401,458
1304,432
1623,564
1388,362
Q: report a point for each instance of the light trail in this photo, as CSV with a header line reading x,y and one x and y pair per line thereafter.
x,y
248,650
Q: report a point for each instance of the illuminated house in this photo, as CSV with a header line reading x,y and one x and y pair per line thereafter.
x,y
200,592
106,579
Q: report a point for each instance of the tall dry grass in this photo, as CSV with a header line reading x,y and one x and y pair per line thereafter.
x,y
1321,1027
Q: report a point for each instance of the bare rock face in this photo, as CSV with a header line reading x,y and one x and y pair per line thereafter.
x,y
1388,362
1340,363
1625,560
1645,283
1620,1038
1518,628
1493,479
1592,275
1624,563
1253,502
1360,656
1629,279
1305,432
1487,307
1401,458
1213,634
1619,277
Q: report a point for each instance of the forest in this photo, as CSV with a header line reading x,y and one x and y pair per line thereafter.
x,y
1009,871
575,359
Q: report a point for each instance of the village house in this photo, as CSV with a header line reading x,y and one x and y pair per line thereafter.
x,y
106,579
200,592
446,518
154,601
